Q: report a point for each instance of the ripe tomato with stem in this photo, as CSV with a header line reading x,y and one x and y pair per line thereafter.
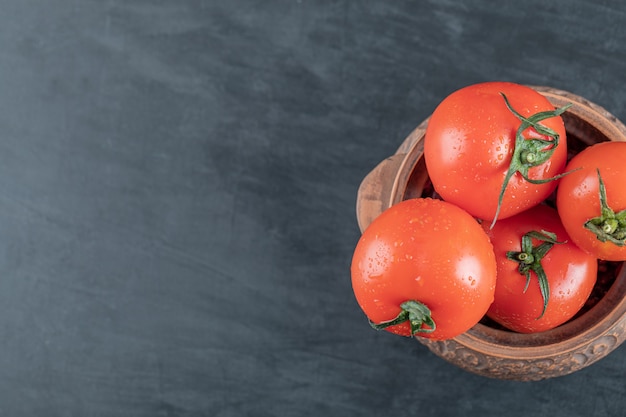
x,y
424,267
592,200
544,279
495,149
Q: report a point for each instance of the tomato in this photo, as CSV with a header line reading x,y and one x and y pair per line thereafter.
x,y
424,260
596,222
544,279
492,158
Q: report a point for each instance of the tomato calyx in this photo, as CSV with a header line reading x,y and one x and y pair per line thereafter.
x,y
416,313
608,226
530,152
529,259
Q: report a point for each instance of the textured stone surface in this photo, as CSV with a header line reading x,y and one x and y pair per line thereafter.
x,y
177,199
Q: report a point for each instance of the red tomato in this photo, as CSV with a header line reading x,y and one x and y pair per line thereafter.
x,y
520,303
479,153
595,222
424,253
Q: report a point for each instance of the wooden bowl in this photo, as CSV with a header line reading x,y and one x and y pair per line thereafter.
x,y
487,349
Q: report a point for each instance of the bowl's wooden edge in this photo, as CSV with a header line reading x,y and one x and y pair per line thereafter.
x,y
374,193
378,190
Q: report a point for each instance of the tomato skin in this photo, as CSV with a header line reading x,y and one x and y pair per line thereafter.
x,y
571,274
469,144
578,195
430,251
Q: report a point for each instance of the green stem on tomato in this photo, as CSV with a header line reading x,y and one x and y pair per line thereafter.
x,y
529,259
416,313
608,226
530,152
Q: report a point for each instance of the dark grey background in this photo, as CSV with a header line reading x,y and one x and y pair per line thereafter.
x,y
177,191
